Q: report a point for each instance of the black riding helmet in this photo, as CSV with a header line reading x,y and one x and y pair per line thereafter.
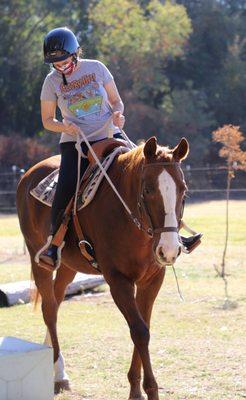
x,y
59,44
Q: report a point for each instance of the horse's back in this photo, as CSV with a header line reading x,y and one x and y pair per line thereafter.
x,y
36,173
31,212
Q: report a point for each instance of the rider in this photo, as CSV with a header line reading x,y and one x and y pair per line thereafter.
x,y
86,94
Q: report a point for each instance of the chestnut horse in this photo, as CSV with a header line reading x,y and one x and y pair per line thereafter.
x,y
132,259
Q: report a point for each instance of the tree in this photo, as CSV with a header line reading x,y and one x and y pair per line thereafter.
x,y
215,57
137,40
23,26
231,137
187,114
22,152
228,94
141,43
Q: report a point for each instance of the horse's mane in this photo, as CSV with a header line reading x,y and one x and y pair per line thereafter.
x,y
134,158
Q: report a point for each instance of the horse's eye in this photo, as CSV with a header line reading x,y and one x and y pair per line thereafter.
x,y
148,190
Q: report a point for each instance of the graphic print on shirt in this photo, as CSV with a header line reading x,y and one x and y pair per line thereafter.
x,y
84,97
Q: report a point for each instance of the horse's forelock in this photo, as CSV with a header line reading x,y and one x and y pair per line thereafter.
x,y
164,154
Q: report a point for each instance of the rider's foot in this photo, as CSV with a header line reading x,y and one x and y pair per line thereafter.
x,y
48,258
190,243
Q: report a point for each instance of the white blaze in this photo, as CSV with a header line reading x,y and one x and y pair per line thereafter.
x,y
169,243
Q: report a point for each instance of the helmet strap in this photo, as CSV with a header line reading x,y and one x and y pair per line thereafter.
x,y
64,79
75,59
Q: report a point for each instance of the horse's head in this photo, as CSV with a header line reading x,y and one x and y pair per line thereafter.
x,y
162,193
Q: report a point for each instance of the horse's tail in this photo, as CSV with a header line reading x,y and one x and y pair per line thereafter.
x,y
35,295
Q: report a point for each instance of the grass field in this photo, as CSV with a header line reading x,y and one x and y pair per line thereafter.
x,y
197,347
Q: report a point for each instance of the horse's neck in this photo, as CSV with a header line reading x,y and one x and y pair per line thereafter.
x,y
126,178
129,174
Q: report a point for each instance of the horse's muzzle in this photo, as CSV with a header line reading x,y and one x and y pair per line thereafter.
x,y
167,259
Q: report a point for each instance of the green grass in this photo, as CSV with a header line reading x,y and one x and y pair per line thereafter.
x,y
14,263
13,272
196,345
9,225
209,218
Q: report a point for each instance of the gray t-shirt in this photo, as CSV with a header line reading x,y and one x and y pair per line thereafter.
x,y
83,100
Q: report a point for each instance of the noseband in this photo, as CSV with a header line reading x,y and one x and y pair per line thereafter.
x,y
143,209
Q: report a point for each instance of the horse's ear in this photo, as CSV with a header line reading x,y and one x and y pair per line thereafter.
x,y
181,151
150,147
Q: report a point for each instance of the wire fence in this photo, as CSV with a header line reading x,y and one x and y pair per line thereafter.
x,y
204,183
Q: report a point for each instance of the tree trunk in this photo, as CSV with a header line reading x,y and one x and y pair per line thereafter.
x,y
227,222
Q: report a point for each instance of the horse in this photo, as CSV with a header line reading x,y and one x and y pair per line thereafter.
x,y
132,257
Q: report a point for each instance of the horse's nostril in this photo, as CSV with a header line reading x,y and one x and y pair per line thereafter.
x,y
168,260
160,253
179,251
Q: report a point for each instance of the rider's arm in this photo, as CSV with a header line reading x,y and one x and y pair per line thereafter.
x,y
48,110
48,114
116,103
114,97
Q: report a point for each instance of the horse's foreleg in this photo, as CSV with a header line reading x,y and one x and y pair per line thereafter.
x,y
45,285
122,291
145,297
44,282
63,277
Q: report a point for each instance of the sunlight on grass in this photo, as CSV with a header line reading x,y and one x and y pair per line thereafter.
x,y
209,218
9,225
12,272
196,346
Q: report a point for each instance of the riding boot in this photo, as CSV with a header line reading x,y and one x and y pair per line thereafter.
x,y
49,257
190,243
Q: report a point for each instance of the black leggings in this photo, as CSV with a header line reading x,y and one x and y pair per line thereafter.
x,y
67,180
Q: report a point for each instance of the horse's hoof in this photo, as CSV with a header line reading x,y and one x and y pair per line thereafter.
x,y
61,386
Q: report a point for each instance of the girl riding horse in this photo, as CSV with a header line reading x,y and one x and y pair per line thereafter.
x,y
86,94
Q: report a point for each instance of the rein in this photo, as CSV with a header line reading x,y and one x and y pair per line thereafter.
x,y
101,169
150,231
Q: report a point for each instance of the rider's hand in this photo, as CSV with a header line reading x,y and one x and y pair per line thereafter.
x,y
71,128
118,119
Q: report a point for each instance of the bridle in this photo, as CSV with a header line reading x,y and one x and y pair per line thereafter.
x,y
143,208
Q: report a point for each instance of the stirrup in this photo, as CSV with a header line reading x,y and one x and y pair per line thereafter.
x,y
45,247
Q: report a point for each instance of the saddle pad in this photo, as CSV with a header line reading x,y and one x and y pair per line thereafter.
x,y
96,178
45,190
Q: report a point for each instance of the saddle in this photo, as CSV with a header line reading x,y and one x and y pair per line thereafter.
x,y
106,150
104,147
